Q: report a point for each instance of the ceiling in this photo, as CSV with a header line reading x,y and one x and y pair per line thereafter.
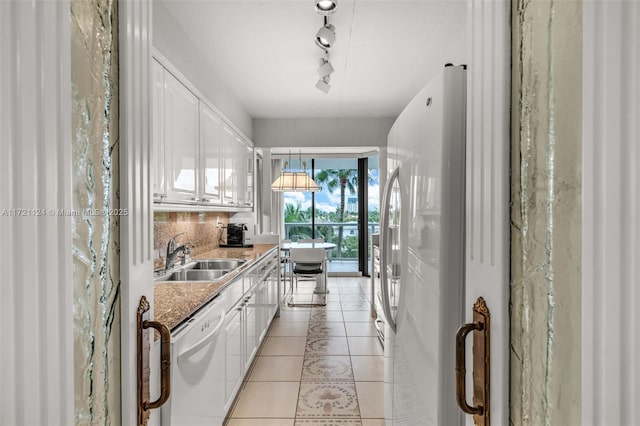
x,y
264,52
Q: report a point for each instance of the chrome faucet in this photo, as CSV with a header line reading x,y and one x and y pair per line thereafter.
x,y
172,252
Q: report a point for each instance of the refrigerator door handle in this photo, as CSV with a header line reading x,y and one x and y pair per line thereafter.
x,y
384,248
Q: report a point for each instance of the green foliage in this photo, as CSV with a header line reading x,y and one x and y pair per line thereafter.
x,y
330,179
296,214
374,215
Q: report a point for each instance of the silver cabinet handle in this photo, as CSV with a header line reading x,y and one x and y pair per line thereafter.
x,y
384,248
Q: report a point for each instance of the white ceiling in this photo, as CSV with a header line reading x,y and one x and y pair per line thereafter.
x,y
264,52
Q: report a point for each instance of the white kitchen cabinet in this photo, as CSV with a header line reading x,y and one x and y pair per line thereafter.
x,y
199,159
237,170
228,180
181,141
248,320
234,354
211,150
273,280
243,170
251,327
249,182
157,134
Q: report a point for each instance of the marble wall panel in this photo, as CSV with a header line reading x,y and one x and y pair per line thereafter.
x,y
546,211
200,230
95,224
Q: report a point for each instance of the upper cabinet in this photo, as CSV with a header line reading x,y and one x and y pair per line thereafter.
x,y
157,133
200,160
211,155
180,142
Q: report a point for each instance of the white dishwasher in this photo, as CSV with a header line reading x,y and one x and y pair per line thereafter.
x,y
198,370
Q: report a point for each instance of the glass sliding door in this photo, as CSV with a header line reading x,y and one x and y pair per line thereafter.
x,y
336,210
341,213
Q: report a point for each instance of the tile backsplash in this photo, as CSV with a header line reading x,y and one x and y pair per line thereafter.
x,y
200,231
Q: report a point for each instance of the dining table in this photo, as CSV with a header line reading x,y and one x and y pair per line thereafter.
x,y
288,246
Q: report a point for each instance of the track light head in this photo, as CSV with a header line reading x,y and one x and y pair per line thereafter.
x,y
326,7
325,68
326,37
323,84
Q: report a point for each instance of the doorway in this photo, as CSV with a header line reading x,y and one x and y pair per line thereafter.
x,y
339,213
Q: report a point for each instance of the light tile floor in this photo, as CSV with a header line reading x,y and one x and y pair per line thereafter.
x,y
318,365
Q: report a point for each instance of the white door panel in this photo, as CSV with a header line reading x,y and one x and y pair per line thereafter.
x,y
487,219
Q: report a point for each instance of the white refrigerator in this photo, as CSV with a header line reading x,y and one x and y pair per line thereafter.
x,y
422,253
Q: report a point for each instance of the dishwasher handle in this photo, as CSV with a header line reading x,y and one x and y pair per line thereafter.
x,y
203,342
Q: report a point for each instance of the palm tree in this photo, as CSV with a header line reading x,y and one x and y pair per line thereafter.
x,y
343,179
294,213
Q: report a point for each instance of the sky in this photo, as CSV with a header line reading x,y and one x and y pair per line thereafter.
x,y
328,202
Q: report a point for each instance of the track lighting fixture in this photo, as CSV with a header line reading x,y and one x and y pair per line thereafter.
x,y
326,36
326,7
323,84
325,68
324,72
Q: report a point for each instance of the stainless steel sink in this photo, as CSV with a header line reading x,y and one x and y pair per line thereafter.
x,y
216,264
196,275
201,270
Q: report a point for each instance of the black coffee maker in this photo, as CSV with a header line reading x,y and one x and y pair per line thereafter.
x,y
235,235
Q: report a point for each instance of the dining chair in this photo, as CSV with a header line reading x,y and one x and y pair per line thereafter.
x,y
310,263
308,240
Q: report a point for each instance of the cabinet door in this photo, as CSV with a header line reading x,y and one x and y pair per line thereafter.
x,y
157,133
262,300
240,171
249,164
272,283
229,183
181,141
250,327
211,155
234,354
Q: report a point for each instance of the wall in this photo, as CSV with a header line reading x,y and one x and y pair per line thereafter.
x,y
36,324
611,214
95,185
321,132
546,212
173,43
199,229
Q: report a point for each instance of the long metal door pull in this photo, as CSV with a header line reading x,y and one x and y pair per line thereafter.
x,y
143,324
481,361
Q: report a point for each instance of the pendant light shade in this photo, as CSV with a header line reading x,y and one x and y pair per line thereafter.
x,y
289,181
294,181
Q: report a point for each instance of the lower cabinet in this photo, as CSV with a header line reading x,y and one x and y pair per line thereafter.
x,y
248,321
234,364
251,341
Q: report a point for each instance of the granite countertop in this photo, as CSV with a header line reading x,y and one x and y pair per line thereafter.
x,y
175,301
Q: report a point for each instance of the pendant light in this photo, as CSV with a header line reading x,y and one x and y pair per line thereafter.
x,y
294,180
